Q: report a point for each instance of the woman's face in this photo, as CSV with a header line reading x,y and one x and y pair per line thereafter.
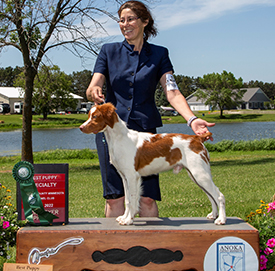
x,y
132,28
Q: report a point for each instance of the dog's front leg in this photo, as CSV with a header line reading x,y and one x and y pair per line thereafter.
x,y
132,185
121,219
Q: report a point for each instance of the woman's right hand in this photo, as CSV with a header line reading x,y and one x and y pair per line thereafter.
x,y
94,91
96,95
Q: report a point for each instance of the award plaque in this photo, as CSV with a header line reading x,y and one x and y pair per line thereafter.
x,y
44,184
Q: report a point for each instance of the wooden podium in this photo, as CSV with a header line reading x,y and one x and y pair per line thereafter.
x,y
100,244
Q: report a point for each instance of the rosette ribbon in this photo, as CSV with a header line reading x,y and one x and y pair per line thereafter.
x,y
23,173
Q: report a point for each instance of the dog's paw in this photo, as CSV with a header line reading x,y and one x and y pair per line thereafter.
x,y
118,218
126,222
211,216
122,220
220,221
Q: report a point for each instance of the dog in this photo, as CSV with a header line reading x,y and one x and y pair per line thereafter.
x,y
136,154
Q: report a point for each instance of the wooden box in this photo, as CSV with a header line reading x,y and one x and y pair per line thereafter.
x,y
150,244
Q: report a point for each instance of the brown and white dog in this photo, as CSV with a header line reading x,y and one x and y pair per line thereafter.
x,y
136,154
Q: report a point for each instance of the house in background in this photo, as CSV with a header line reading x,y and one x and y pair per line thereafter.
x,y
15,95
197,104
254,98
11,96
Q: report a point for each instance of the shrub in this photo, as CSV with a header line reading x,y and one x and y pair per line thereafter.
x,y
59,154
267,144
9,225
263,220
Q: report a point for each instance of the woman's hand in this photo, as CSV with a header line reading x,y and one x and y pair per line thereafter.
x,y
199,126
94,91
96,95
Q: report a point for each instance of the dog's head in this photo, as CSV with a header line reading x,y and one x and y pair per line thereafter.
x,y
99,117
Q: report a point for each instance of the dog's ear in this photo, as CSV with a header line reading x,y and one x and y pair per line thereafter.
x,y
108,112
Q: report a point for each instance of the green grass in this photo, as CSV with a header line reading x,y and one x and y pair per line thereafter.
x,y
244,177
265,116
11,122
14,121
246,116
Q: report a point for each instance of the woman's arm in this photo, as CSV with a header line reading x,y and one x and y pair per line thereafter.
x,y
177,100
94,91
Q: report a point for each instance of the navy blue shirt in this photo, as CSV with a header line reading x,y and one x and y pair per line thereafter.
x,y
132,78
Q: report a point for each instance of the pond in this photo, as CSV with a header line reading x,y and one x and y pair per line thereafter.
x,y
51,139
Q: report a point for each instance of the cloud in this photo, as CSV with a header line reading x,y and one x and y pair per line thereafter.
x,y
112,27
169,14
172,13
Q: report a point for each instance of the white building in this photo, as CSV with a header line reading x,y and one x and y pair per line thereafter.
x,y
196,104
11,95
253,98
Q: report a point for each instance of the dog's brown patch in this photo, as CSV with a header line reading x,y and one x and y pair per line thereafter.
x,y
205,156
100,116
158,146
196,143
108,112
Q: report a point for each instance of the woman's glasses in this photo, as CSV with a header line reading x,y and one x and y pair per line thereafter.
x,y
130,20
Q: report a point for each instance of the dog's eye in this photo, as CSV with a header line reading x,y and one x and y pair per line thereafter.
x,y
94,116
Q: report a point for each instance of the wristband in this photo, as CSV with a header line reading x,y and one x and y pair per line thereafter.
x,y
190,121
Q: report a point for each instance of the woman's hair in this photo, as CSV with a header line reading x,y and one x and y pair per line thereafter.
x,y
144,14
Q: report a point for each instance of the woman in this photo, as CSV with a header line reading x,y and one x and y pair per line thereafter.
x,y
132,69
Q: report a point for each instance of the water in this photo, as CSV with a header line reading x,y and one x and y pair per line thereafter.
x,y
50,139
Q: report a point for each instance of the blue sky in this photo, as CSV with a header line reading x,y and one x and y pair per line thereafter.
x,y
203,36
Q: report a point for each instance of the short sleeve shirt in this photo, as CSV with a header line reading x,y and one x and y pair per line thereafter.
x,y
132,78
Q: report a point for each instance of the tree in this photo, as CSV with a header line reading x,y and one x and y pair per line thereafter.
x,y
8,75
80,82
186,85
160,97
51,90
35,27
221,91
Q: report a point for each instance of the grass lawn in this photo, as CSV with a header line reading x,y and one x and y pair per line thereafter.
x,y
244,178
14,121
229,116
11,122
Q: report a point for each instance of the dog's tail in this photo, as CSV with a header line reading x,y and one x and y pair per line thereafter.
x,y
205,136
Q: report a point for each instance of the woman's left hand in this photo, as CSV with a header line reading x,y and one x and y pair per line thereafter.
x,y
199,126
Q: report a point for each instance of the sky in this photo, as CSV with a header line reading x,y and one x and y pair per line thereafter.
x,y
202,36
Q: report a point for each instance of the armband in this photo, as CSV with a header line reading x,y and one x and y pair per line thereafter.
x,y
171,82
190,121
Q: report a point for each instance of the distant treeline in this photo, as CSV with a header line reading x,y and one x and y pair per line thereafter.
x,y
80,81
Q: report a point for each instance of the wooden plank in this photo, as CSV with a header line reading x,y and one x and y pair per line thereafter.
x,y
181,242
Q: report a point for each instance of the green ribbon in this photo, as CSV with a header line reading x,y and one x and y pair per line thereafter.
x,y
23,173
